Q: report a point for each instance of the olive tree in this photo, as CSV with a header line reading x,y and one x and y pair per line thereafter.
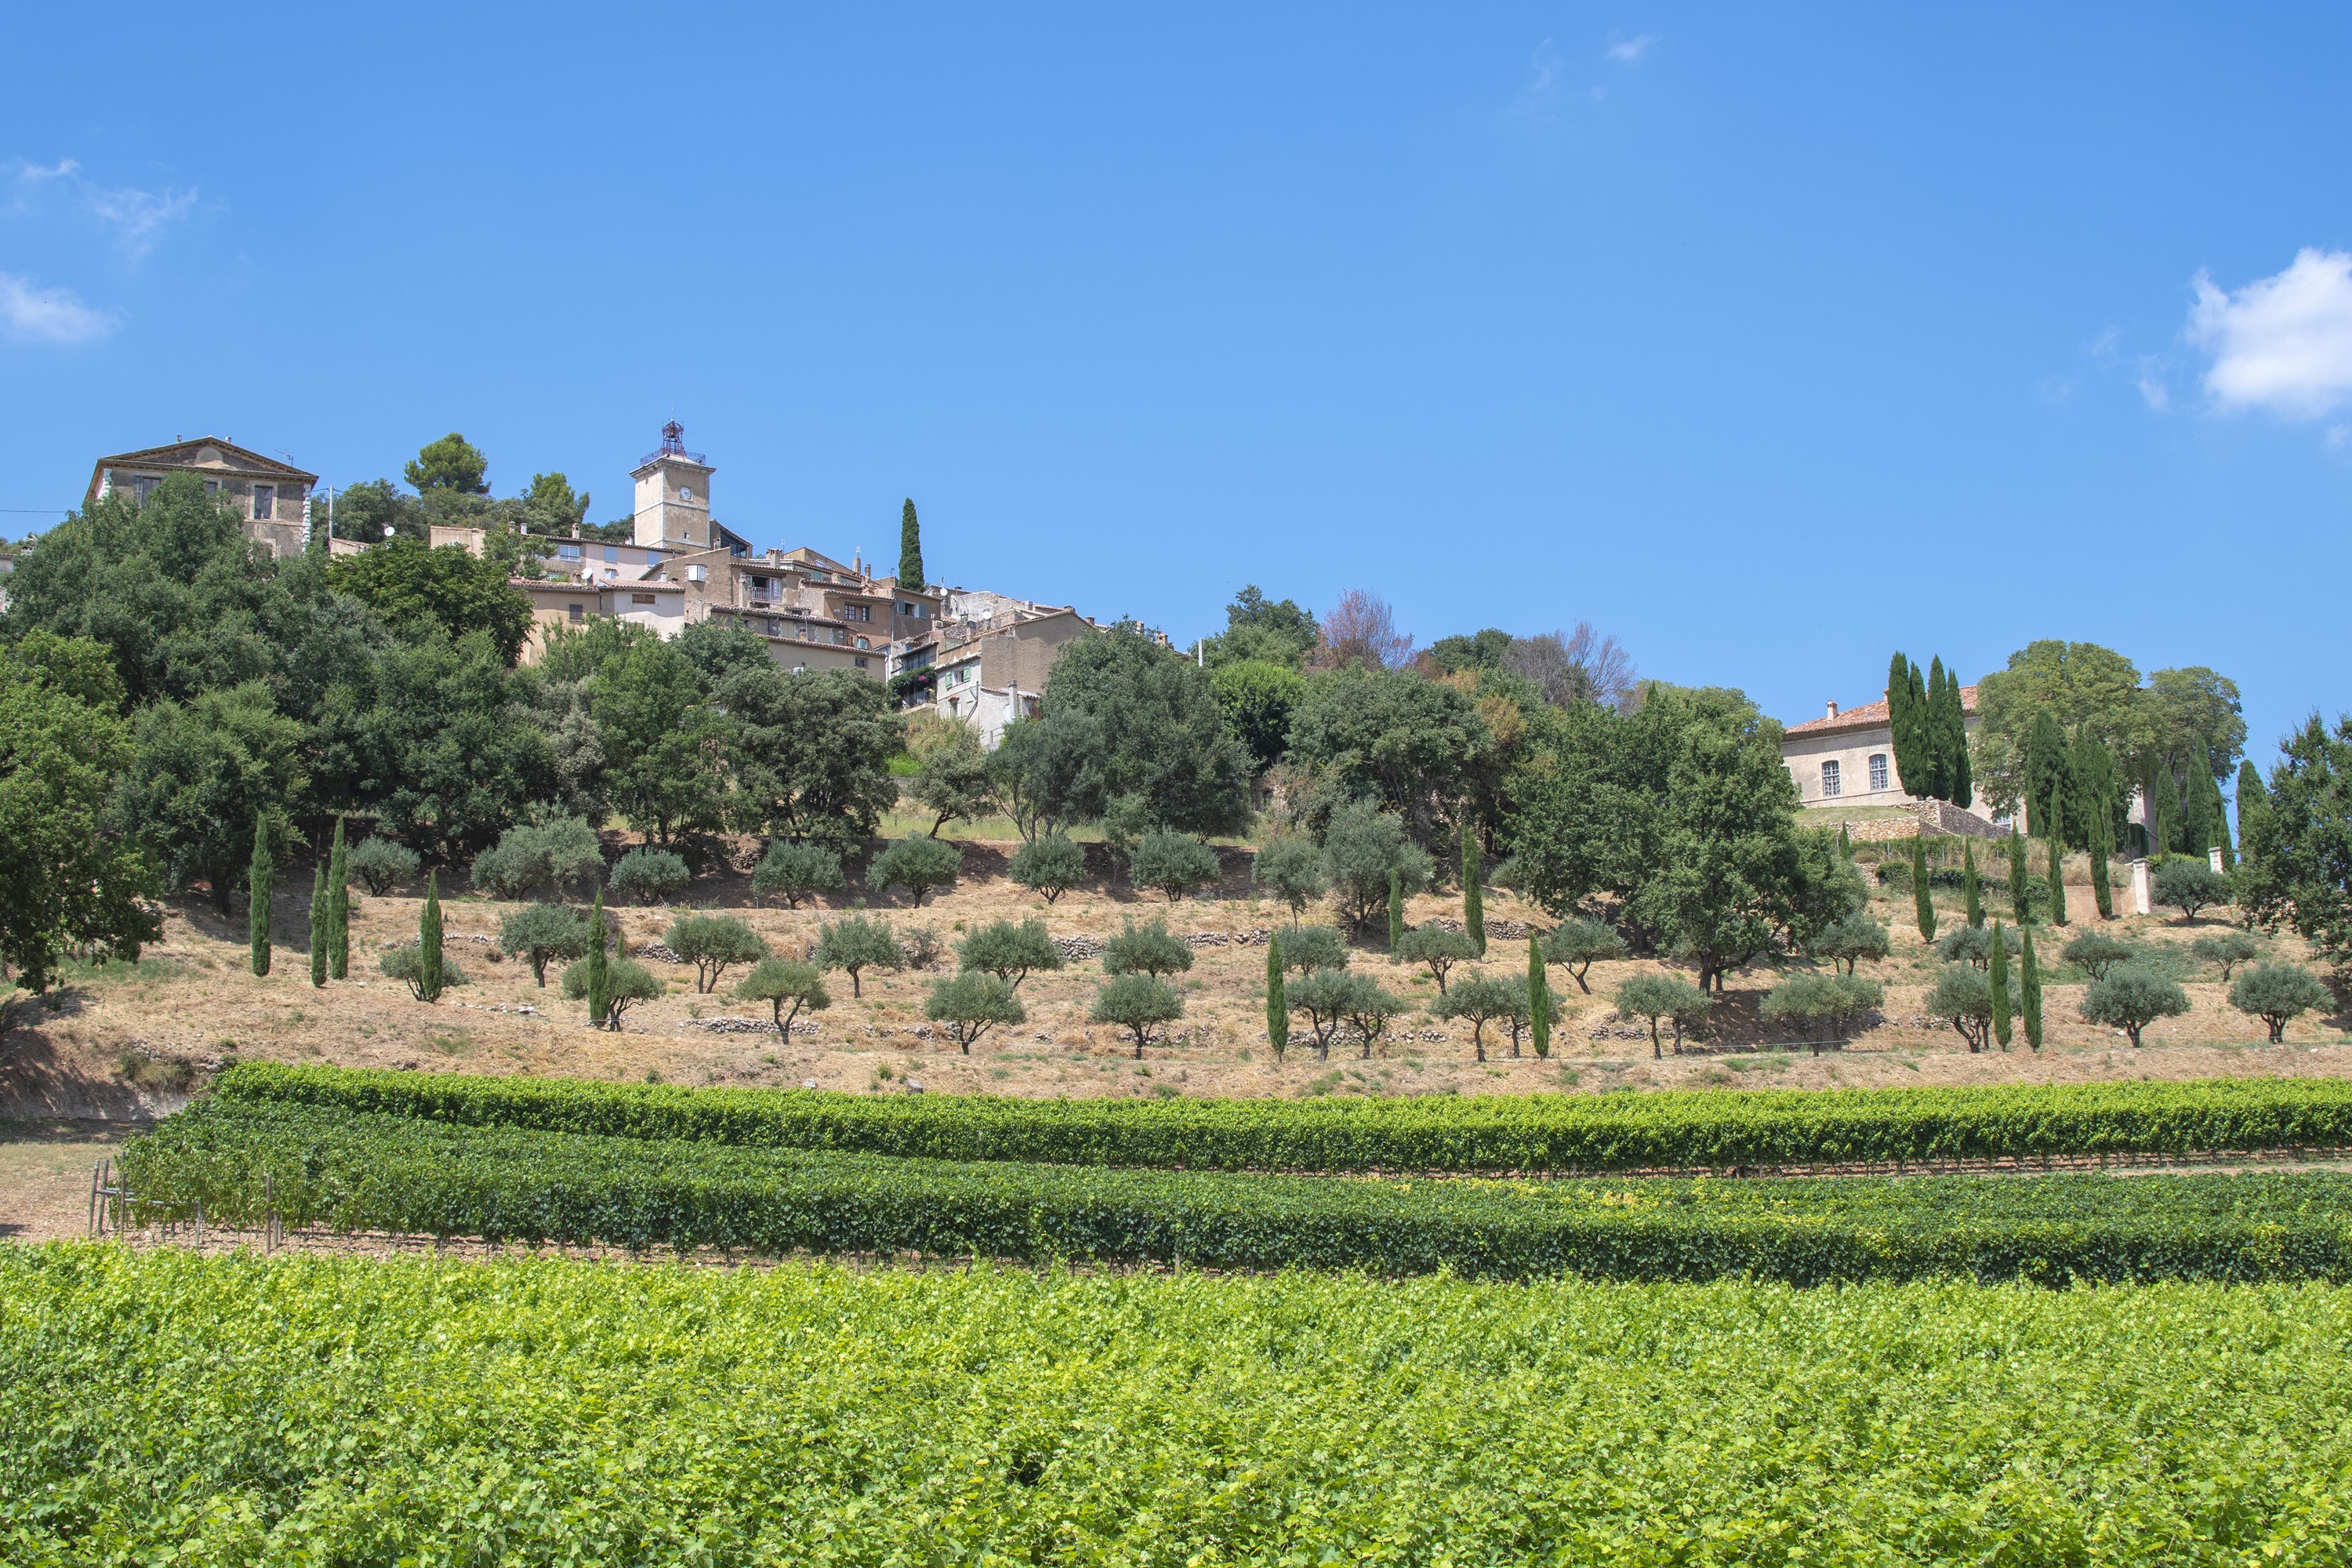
x,y
796,871
1309,948
1482,1001
1291,868
1010,952
919,865
1049,865
971,1003
1146,950
855,945
1845,941
1142,1004
2130,997
1438,947
2096,952
713,943
627,983
2227,950
538,933
1174,863
1963,994
1655,997
2189,885
781,982
2277,994
1361,847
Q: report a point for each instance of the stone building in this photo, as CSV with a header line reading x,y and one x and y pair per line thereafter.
x,y
988,662
1845,760
272,498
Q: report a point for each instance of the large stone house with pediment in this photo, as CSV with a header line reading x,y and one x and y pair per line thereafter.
x,y
272,498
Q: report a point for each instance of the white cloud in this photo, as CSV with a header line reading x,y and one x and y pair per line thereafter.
x,y
37,315
137,218
2283,342
1631,50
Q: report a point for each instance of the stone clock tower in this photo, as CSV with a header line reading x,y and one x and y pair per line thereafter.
x,y
672,510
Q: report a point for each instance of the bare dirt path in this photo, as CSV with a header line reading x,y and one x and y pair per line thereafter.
x,y
45,1175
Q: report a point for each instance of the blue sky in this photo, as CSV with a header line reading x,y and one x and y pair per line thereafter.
x,y
1769,339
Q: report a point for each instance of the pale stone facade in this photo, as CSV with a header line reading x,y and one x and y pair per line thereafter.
x,y
1845,759
272,498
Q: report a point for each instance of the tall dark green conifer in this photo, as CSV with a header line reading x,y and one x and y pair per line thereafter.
x,y
261,892
2020,897
1277,1005
338,909
1997,967
1903,723
2028,992
600,983
1955,727
2102,892
910,549
1923,899
2049,774
1538,999
1396,909
1845,843
2253,808
1939,744
1474,895
428,939
2058,872
321,918
1970,887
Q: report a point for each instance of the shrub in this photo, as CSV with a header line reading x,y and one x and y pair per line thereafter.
x,y
1141,1003
2096,952
2189,885
1010,952
713,944
1973,944
796,871
1360,847
649,876
1652,997
1146,950
2226,950
407,964
1963,996
549,855
970,1004
2130,998
539,933
1051,866
1850,938
1810,1000
1291,868
381,865
1175,863
855,945
1308,947
1577,945
627,983
1438,947
917,864
2277,994
922,945
780,981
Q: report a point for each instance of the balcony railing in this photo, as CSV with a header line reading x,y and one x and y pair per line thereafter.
x,y
695,458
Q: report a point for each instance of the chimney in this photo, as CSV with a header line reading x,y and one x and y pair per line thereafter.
x,y
1833,708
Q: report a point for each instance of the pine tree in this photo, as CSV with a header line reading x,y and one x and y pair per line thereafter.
x,y
1970,888
1901,720
1538,999
429,940
2028,992
1997,971
338,909
1922,895
321,918
910,549
1277,1005
2020,899
260,893
600,984
1474,896
1396,909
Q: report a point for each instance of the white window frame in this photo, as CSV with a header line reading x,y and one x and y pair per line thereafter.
x,y
1832,785
1878,771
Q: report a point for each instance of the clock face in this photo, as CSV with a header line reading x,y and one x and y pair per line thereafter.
x,y
684,494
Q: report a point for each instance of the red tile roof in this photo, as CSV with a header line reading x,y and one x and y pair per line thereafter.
x,y
1869,716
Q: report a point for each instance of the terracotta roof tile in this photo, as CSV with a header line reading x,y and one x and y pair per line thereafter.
x,y
1870,715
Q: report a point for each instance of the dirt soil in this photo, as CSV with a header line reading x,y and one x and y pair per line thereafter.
x,y
130,1043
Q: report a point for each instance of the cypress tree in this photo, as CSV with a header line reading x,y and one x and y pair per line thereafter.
x,y
2103,893
2057,874
2162,811
600,983
1922,896
1538,998
2254,809
1474,896
910,549
1939,744
428,939
1964,786
1900,719
321,919
1845,843
1396,909
1922,737
2018,899
338,909
1997,971
260,893
1278,1006
2048,775
1970,887
2029,993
